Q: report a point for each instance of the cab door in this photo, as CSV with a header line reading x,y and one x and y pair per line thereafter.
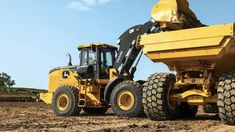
x,y
88,63
106,60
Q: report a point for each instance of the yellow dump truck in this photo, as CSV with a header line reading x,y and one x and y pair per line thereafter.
x,y
199,57
202,59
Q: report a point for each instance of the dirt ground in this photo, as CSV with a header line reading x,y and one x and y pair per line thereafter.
x,y
39,117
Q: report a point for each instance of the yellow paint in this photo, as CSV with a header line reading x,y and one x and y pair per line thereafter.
x,y
168,10
174,15
205,49
90,93
102,81
46,97
199,100
202,54
113,74
89,90
210,45
195,100
193,92
181,50
194,97
56,80
96,45
62,102
126,100
186,39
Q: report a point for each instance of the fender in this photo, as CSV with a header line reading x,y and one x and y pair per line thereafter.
x,y
109,88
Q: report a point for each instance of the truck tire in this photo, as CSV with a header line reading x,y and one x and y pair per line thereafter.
x,y
95,111
187,111
126,99
156,90
226,98
65,101
210,108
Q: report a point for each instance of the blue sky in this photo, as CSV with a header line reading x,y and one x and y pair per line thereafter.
x,y
36,34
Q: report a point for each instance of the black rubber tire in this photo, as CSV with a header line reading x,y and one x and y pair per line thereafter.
x,y
226,98
187,111
136,89
210,108
155,92
95,111
72,94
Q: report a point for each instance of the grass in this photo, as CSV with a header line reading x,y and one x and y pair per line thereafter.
x,y
21,90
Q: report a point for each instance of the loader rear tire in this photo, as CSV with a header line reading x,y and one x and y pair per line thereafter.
x,y
95,111
226,98
210,108
126,99
65,101
156,97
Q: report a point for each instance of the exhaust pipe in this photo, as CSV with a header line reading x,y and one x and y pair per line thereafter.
x,y
69,59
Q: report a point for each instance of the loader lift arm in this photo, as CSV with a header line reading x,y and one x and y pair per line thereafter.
x,y
167,15
127,54
128,50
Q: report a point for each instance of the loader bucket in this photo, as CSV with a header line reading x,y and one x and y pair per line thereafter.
x,y
168,10
175,12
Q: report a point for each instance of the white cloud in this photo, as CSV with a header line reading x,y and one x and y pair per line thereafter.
x,y
85,5
88,2
104,1
77,6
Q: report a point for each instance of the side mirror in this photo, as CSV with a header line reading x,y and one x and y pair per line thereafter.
x,y
69,59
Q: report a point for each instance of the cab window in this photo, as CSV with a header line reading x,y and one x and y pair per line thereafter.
x,y
83,57
91,58
88,57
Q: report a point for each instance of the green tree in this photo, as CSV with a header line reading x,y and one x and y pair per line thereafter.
x,y
5,80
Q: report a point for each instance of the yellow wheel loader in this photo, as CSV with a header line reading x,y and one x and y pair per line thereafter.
x,y
199,57
93,85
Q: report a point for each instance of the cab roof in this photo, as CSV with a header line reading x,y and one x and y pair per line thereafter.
x,y
96,45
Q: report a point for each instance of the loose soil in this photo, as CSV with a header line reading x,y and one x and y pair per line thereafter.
x,y
25,116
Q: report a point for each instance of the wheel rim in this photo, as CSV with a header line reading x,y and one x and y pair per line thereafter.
x,y
126,100
63,102
171,104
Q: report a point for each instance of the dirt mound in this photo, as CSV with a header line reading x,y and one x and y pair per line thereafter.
x,y
19,94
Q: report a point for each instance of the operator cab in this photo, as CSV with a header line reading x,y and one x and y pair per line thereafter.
x,y
95,60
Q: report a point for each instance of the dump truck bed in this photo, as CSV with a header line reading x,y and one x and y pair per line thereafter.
x,y
212,46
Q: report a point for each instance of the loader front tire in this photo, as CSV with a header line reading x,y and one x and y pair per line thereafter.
x,y
126,99
156,97
65,101
226,98
95,111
